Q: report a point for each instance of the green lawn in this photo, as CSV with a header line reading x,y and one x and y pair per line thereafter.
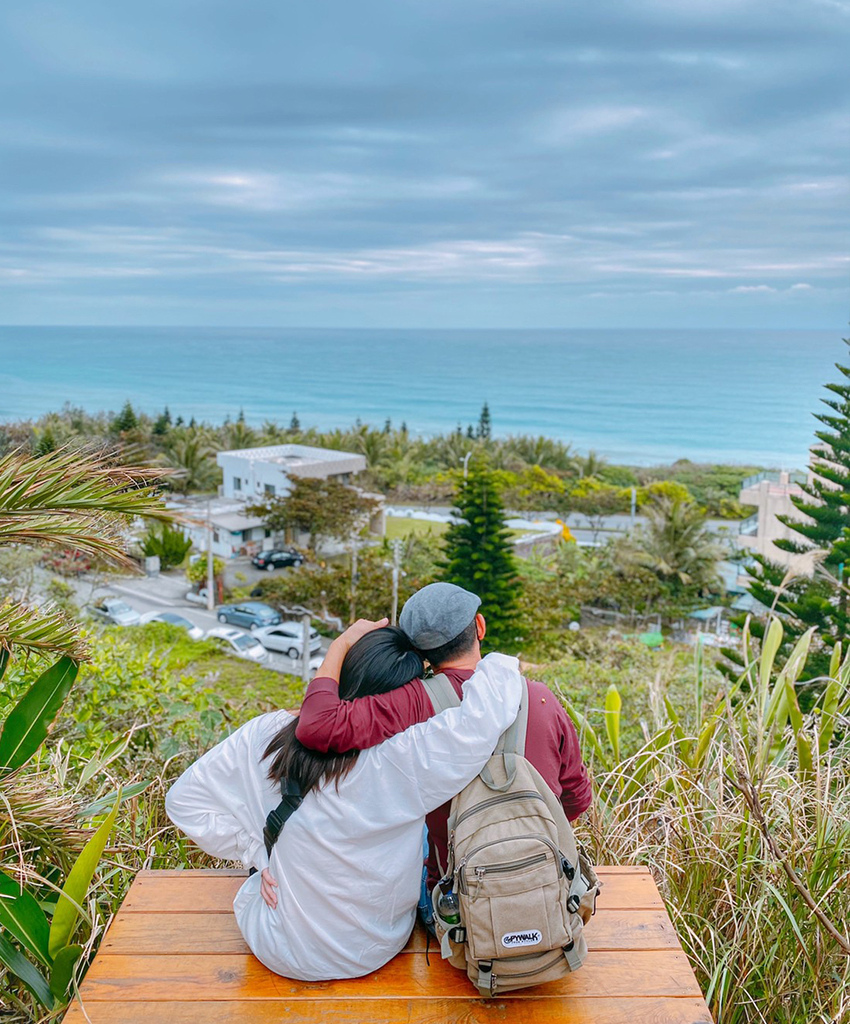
x,y
401,527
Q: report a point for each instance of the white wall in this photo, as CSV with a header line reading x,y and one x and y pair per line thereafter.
x,y
254,478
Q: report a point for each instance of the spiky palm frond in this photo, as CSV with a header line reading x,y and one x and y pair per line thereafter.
x,y
40,629
67,499
73,499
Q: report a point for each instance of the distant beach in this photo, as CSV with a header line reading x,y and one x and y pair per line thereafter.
x,y
638,397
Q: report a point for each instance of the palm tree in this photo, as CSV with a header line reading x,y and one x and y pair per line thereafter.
x,y
66,499
591,464
191,458
544,452
675,544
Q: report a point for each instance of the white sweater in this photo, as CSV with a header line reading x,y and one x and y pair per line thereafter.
x,y
349,861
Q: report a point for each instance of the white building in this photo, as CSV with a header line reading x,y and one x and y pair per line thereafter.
x,y
234,532
252,474
772,495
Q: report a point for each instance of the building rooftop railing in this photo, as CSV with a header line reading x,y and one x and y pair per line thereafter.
x,y
775,477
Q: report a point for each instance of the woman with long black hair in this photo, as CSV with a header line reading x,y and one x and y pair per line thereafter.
x,y
337,895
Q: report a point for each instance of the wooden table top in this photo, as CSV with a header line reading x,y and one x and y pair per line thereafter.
x,y
174,953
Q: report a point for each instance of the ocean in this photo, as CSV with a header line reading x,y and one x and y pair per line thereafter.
x,y
634,396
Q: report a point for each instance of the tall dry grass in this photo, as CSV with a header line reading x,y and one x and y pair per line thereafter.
x,y
742,811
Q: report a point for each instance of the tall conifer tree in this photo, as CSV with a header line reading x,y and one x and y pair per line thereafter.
x,y
485,425
825,505
479,555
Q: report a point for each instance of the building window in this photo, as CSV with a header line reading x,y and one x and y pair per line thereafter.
x,y
215,536
268,533
237,483
269,489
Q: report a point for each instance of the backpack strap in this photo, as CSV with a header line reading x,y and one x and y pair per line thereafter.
x,y
441,693
511,745
291,793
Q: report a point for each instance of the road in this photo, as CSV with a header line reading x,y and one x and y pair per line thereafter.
x,y
154,594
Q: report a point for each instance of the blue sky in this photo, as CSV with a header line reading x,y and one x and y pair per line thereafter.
x,y
410,163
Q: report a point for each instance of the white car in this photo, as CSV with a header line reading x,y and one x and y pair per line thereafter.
x,y
287,638
173,619
115,612
198,596
242,644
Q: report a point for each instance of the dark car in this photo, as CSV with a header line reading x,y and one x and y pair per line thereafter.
x,y
280,558
252,614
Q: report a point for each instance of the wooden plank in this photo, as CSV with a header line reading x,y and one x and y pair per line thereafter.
x,y
545,1010
237,977
179,934
186,892
609,869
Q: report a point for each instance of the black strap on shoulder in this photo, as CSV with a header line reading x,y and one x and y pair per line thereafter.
x,y
291,793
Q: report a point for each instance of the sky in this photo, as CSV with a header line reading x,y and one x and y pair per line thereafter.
x,y
424,163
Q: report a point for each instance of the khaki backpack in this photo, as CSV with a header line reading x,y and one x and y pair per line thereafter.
x,y
525,889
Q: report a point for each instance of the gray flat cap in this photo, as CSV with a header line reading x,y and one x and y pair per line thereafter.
x,y
437,613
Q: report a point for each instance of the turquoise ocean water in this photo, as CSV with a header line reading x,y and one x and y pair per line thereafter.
x,y
639,396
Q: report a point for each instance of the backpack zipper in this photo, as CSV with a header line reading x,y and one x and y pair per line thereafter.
x,y
529,974
530,794
518,865
461,871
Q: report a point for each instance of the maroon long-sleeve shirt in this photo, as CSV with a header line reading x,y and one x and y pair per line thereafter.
x,y
327,723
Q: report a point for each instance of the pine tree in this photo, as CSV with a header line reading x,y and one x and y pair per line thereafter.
x,y
388,425
46,442
803,602
295,423
485,427
470,432
479,555
162,423
125,420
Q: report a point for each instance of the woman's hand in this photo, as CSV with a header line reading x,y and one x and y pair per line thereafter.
x,y
332,664
267,888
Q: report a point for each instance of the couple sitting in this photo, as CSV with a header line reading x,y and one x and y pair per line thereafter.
x,y
337,895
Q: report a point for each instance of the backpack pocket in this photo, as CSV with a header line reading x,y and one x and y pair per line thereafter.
x,y
511,897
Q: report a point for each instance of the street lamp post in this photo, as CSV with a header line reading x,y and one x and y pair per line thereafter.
x,y
210,573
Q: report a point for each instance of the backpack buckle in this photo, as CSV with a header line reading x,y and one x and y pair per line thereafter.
x,y
485,977
573,903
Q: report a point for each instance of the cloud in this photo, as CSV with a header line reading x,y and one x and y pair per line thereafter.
x,y
549,152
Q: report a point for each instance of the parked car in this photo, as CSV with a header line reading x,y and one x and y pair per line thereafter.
x,y
253,614
288,639
280,558
173,619
115,612
241,644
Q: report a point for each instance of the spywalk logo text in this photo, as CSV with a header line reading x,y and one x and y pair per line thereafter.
x,y
529,938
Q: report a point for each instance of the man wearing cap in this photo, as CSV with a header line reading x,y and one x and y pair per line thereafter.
x,y
443,622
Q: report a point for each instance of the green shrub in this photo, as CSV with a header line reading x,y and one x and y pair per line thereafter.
x,y
169,544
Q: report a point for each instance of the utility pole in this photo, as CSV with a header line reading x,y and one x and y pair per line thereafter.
x,y
352,603
396,571
634,507
466,464
305,647
210,573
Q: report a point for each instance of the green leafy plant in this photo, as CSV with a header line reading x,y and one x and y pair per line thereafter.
x,y
167,543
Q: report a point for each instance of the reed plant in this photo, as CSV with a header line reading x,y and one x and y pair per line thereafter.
x,y
740,805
